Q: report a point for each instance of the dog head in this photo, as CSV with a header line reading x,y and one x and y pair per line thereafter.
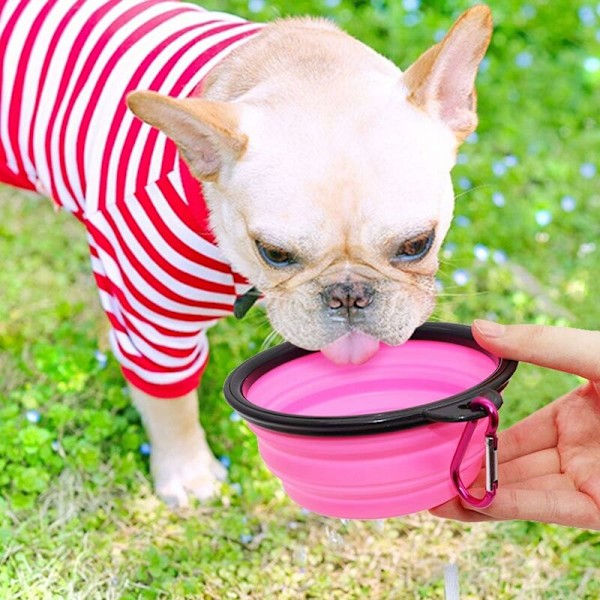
x,y
327,174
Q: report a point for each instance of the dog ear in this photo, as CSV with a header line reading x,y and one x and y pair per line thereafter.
x,y
205,132
442,80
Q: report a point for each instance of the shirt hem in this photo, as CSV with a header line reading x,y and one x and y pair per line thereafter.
x,y
165,392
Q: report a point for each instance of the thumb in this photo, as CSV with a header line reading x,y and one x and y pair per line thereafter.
x,y
571,350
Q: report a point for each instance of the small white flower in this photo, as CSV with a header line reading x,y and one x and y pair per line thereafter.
x,y
542,237
587,170
481,252
411,5
498,199
449,249
586,15
101,358
528,11
499,169
568,203
499,257
585,249
256,6
461,277
412,19
33,416
543,217
464,183
524,60
438,36
592,64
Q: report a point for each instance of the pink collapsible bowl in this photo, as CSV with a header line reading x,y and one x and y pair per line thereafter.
x,y
404,432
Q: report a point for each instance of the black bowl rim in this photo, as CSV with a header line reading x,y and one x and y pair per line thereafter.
x,y
451,409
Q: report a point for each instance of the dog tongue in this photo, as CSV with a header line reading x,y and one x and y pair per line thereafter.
x,y
354,347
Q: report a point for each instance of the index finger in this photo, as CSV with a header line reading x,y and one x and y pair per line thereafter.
x,y
575,351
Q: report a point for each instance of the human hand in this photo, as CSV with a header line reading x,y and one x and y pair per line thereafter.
x,y
549,463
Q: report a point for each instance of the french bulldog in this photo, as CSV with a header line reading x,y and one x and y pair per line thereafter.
x,y
324,168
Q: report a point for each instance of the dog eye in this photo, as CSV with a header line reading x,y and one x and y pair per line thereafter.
x,y
415,248
275,257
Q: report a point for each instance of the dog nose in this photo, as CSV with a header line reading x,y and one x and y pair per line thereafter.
x,y
348,295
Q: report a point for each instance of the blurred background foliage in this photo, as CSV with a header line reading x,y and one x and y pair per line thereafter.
x,y
77,518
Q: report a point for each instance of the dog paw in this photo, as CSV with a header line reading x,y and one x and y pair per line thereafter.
x,y
177,478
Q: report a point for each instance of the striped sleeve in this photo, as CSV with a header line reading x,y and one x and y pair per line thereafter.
x,y
65,131
162,283
162,279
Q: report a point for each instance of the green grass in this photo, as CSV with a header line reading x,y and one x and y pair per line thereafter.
x,y
77,516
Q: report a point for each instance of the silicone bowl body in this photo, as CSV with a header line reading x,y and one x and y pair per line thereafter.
x,y
375,440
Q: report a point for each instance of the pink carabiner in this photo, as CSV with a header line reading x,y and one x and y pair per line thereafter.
x,y
491,456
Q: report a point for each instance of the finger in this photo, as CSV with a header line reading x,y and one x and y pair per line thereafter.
x,y
533,434
525,468
540,469
461,510
521,461
562,507
552,481
571,350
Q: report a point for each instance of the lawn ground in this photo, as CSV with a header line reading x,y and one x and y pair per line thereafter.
x,y
77,516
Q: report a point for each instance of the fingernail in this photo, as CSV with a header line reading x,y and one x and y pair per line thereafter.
x,y
489,328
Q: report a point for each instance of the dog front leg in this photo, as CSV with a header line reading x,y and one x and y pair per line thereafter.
x,y
181,462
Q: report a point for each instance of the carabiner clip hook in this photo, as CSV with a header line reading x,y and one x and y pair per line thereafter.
x,y
491,455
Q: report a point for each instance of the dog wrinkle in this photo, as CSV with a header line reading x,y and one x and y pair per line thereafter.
x,y
340,202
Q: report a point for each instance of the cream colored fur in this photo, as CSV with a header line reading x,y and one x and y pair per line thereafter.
x,y
309,141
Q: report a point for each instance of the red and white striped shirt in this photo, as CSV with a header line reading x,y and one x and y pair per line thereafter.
x,y
65,131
